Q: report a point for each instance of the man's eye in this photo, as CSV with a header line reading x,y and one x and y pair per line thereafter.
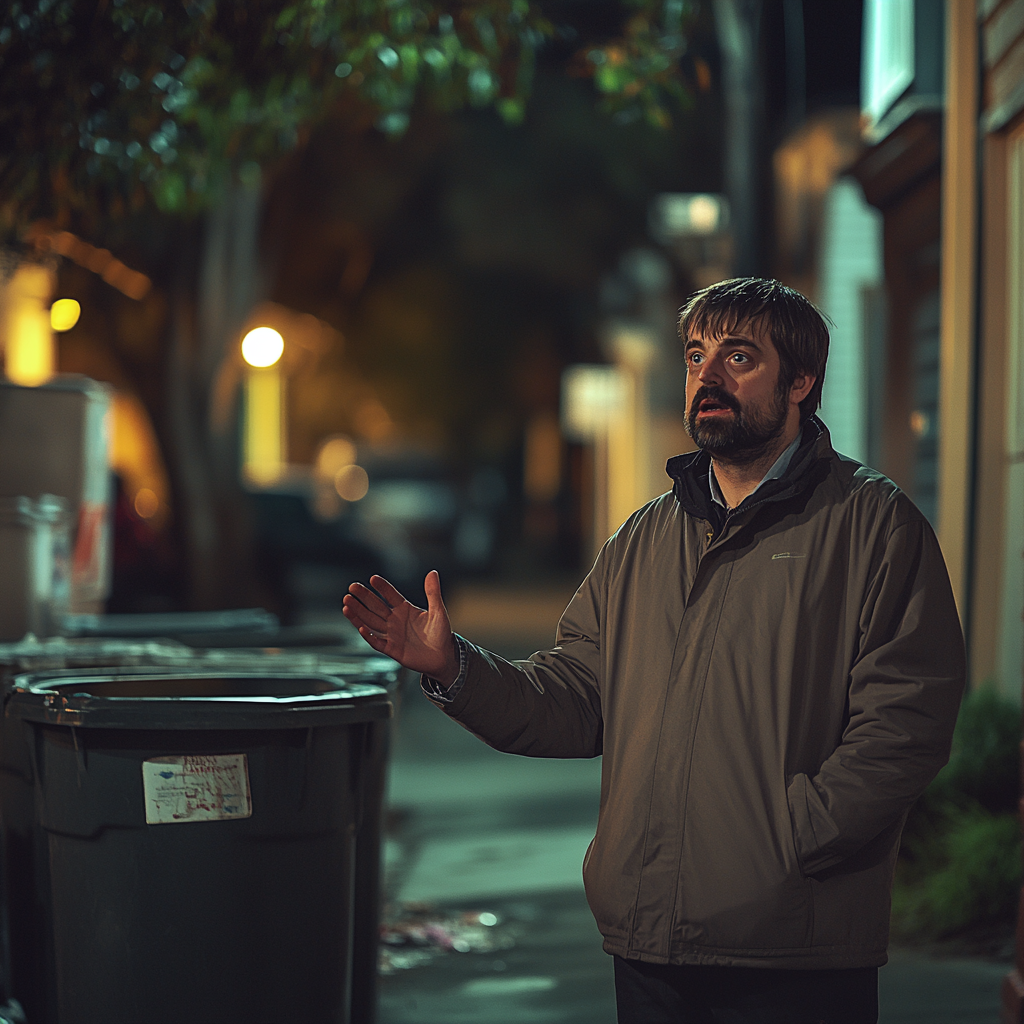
x,y
695,358
739,357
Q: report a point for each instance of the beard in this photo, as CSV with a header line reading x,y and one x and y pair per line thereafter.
x,y
745,437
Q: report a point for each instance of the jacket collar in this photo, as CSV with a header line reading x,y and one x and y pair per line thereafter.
x,y
690,476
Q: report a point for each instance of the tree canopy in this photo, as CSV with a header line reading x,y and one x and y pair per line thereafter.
x,y
114,104
110,106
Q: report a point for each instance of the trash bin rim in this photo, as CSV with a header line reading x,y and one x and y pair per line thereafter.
x,y
73,655
38,697
364,668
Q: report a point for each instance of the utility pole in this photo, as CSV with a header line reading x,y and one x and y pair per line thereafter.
x,y
737,24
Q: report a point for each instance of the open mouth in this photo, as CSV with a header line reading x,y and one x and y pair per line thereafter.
x,y
709,407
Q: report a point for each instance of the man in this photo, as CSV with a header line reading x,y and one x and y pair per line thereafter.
x,y
770,661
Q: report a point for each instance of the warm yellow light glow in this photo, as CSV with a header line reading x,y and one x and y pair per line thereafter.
x,y
135,457
127,281
64,314
373,422
147,504
352,483
919,423
542,458
30,357
264,426
262,346
335,454
703,214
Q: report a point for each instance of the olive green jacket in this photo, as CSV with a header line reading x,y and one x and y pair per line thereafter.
x,y
770,689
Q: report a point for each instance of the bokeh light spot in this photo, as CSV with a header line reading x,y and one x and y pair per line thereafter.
x,y
335,454
352,483
147,504
64,314
262,346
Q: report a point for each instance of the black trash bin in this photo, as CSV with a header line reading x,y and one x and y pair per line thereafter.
x,y
200,830
24,918
335,660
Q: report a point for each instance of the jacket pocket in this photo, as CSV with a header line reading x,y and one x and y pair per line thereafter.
x,y
814,831
741,886
610,890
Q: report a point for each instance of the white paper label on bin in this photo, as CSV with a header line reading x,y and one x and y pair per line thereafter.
x,y
196,787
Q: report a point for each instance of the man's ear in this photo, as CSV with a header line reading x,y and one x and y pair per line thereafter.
x,y
800,388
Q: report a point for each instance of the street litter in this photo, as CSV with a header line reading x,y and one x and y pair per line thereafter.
x,y
421,932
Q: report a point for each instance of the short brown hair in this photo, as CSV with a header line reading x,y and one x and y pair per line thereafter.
x,y
797,328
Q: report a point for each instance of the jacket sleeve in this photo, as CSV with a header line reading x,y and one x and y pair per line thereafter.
x,y
904,693
550,704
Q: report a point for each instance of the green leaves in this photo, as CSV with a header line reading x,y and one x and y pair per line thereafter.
x,y
108,104
639,73
970,876
960,859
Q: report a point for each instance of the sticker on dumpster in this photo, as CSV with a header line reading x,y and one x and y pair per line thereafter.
x,y
196,787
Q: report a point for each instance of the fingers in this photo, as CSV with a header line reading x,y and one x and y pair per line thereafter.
x,y
432,588
371,609
378,643
372,602
363,608
360,617
371,627
390,595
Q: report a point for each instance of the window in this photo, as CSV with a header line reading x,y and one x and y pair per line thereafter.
x,y
888,65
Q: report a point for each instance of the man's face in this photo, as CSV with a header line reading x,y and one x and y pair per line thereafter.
x,y
735,409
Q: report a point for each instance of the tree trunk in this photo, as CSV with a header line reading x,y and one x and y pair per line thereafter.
x,y
206,313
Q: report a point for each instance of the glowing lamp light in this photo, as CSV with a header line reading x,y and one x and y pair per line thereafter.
x,y
593,396
64,314
675,215
262,347
704,214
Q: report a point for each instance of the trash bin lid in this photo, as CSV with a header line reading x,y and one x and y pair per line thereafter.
x,y
164,624
34,654
370,667
159,697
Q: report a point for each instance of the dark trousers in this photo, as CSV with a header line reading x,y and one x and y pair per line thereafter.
x,y
682,994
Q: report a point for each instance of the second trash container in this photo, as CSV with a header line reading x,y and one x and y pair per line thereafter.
x,y
200,830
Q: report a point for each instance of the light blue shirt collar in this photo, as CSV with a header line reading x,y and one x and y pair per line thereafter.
x,y
779,467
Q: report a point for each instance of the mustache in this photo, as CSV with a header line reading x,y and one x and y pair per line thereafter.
x,y
713,394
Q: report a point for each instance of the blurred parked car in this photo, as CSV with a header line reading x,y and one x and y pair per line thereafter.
x,y
396,512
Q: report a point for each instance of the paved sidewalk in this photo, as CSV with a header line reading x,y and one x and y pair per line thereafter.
x,y
483,831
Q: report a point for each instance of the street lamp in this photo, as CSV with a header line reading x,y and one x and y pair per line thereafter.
x,y
262,347
696,226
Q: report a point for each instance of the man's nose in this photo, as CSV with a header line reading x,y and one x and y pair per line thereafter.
x,y
710,371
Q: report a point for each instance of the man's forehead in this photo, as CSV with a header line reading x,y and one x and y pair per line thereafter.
x,y
747,330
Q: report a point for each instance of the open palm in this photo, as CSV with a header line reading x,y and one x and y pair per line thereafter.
x,y
417,638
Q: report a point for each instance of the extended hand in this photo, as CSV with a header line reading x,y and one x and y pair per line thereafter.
x,y
420,639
